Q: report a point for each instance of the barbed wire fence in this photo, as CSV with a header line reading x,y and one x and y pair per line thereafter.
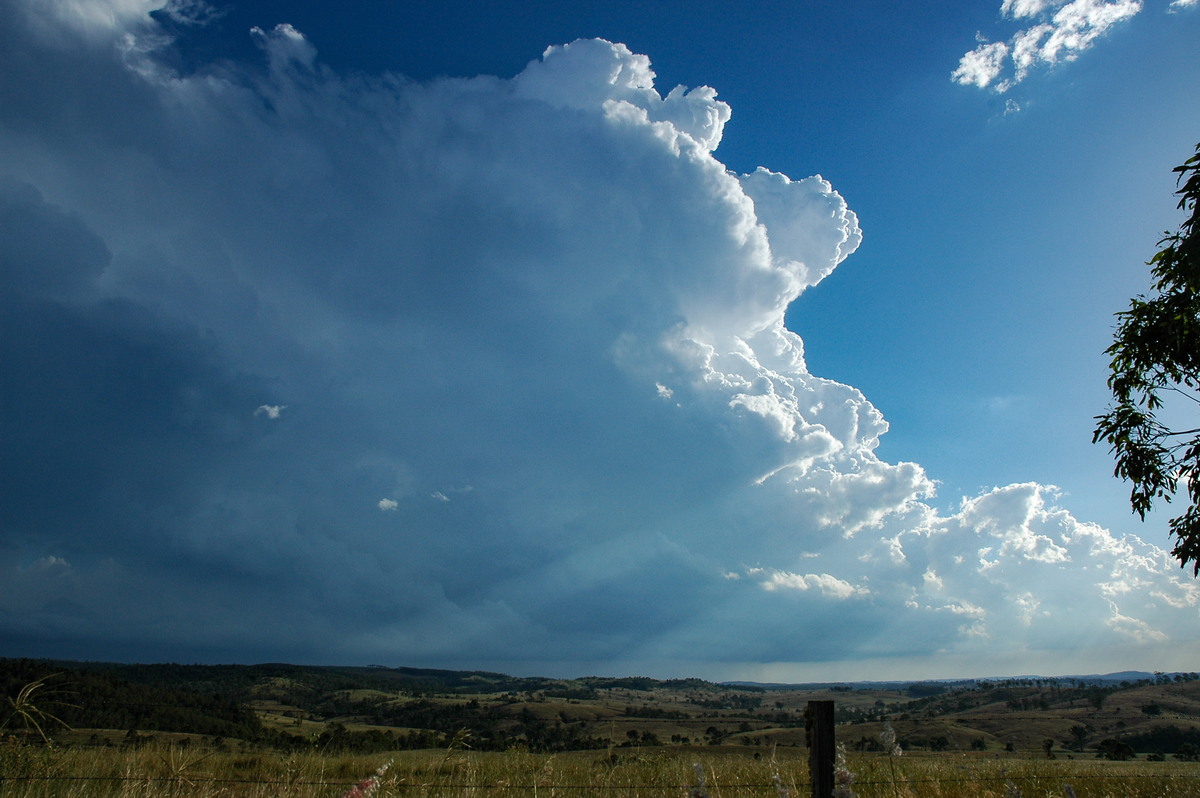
x,y
693,789
822,761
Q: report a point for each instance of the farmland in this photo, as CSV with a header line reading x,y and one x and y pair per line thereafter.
x,y
296,730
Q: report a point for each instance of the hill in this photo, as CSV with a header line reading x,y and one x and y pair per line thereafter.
x,y
378,708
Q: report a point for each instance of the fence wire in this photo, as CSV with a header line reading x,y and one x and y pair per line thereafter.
x,y
548,786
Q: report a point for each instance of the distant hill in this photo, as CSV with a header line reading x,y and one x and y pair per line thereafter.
x,y
1108,678
377,708
239,678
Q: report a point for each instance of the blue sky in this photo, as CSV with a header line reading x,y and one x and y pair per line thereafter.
x,y
387,334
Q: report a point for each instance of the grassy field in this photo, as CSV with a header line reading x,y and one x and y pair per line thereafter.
x,y
714,772
281,730
373,709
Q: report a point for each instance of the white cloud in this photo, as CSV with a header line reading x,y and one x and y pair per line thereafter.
x,y
49,562
1028,605
1026,8
193,12
1077,25
1029,575
102,15
285,46
975,626
982,65
1135,628
811,229
1027,50
481,282
595,74
826,584
1015,516
1063,31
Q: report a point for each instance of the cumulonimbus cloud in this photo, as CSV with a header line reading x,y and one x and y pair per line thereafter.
x,y
547,288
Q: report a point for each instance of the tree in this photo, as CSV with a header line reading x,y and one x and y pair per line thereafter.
x,y
1114,750
1155,356
1079,736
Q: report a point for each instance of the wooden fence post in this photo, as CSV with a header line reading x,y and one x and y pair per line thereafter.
x,y
822,749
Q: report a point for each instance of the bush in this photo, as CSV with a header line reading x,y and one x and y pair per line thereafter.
x,y
1115,750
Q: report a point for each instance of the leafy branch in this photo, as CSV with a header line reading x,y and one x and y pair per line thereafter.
x,y
1155,350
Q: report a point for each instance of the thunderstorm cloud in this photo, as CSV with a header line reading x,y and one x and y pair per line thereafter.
x,y
467,372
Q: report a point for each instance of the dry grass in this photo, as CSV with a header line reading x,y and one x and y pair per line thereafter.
x,y
165,770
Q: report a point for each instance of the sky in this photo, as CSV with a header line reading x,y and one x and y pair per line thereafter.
x,y
739,341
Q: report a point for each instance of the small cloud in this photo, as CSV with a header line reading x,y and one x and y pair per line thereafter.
x,y
1027,606
43,564
982,65
826,584
965,608
1023,8
1135,628
973,630
270,411
1179,5
387,505
663,391
192,12
444,495
1061,32
975,616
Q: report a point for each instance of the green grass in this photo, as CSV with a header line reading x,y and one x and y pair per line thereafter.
x,y
196,772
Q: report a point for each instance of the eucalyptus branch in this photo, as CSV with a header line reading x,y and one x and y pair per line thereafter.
x,y
1154,348
1182,393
